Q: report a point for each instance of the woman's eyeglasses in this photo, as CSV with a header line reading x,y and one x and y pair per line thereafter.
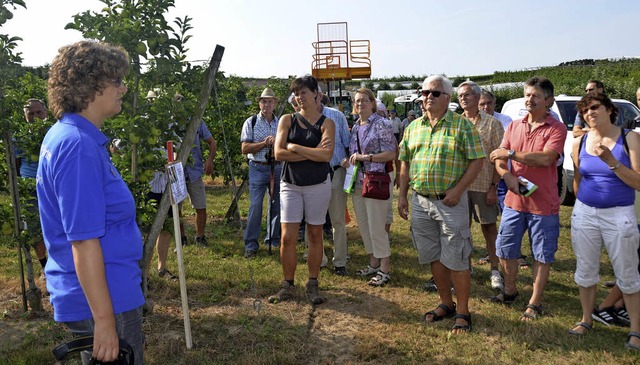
x,y
593,107
435,93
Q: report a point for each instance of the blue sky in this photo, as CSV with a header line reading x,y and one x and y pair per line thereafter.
x,y
465,37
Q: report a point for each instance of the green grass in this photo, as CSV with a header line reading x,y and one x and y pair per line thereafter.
x,y
232,322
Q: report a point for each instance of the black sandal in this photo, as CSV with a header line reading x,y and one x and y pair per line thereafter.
x,y
464,327
522,262
584,325
507,299
628,345
448,313
537,311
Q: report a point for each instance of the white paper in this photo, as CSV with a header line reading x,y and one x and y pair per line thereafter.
x,y
350,179
177,183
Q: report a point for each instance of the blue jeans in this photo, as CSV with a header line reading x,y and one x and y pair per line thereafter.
x,y
259,178
128,327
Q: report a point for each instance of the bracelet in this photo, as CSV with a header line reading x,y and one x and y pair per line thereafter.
x,y
615,167
370,158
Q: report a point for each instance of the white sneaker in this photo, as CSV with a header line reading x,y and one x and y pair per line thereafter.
x,y
496,280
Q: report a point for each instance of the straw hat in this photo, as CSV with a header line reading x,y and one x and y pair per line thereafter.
x,y
151,94
266,94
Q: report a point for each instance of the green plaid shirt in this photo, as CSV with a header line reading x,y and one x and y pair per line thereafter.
x,y
440,155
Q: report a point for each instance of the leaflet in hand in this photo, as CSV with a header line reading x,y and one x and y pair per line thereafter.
x,y
350,179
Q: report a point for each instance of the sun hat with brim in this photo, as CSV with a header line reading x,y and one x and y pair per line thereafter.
x,y
151,95
267,94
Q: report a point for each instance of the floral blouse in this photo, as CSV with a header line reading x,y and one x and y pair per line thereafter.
x,y
375,136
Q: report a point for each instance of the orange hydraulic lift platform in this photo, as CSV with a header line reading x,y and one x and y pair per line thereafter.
x,y
336,57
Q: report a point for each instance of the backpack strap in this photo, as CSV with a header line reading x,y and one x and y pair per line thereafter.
x,y
582,142
624,138
254,119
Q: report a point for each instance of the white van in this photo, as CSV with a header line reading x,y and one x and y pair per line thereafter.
x,y
565,107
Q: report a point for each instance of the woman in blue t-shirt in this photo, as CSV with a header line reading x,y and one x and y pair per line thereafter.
x,y
304,142
606,175
87,212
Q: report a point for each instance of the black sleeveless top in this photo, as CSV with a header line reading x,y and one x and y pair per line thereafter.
x,y
306,172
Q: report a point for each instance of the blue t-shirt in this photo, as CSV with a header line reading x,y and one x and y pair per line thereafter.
x,y
28,168
195,170
82,196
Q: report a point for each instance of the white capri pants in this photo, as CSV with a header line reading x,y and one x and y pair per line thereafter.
x,y
616,229
371,215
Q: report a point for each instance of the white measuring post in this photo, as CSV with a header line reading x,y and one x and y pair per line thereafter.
x,y
178,190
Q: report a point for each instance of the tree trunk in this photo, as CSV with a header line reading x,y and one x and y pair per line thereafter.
x,y
232,212
17,222
183,155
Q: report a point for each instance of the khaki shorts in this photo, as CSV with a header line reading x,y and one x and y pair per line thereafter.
x,y
479,210
310,201
441,233
197,195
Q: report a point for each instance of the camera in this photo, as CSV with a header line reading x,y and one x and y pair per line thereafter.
x,y
269,155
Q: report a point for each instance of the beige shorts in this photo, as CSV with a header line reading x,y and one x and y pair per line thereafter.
x,y
197,195
310,201
479,210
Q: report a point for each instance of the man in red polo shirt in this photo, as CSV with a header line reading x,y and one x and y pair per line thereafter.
x,y
533,144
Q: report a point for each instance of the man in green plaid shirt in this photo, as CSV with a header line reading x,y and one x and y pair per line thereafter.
x,y
441,155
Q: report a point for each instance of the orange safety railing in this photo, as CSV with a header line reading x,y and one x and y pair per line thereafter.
x,y
360,51
329,54
339,60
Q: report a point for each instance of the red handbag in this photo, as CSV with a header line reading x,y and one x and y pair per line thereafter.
x,y
376,185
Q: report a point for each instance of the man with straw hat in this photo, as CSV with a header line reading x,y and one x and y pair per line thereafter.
x,y
258,136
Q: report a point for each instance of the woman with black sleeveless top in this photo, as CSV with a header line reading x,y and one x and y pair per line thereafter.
x,y
304,142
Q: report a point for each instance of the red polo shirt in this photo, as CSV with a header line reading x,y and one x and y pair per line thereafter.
x,y
519,137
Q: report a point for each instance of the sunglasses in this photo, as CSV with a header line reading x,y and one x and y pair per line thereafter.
x,y
435,93
593,107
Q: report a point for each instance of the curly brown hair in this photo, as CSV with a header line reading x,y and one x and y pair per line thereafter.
x,y
583,105
79,71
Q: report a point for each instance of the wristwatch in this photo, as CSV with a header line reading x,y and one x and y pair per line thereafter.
x,y
511,154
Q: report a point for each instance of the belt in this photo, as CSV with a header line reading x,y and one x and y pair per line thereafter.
x,y
265,163
334,168
433,196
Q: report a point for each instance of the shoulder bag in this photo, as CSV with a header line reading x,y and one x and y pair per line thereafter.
x,y
376,183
